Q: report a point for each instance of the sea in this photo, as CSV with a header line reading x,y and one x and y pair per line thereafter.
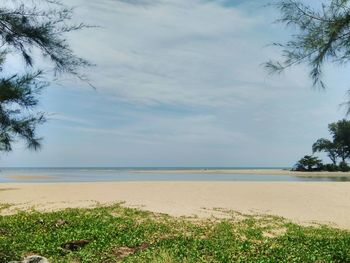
x,y
124,174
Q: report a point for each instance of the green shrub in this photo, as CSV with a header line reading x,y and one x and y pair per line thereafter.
x,y
344,167
331,167
309,163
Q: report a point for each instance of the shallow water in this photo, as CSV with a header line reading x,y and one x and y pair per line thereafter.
x,y
45,175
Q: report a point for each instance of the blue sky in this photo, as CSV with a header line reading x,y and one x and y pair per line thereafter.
x,y
180,83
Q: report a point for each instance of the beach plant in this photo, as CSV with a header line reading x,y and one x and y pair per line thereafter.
x,y
340,132
344,167
29,29
339,146
118,234
309,163
322,35
325,145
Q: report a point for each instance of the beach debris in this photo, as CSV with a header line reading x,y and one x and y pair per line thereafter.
x,y
143,246
75,245
41,221
61,222
3,232
123,252
32,259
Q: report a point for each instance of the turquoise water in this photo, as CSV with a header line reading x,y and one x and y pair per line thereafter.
x,y
45,175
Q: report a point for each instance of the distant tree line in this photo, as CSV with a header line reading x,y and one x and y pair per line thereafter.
x,y
337,149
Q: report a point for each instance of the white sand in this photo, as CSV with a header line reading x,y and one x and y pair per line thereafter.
x,y
300,202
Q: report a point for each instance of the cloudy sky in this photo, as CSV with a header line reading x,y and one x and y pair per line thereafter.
x,y
180,83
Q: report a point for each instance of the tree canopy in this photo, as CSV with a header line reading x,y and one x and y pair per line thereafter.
x,y
308,163
340,131
322,35
325,145
26,28
336,147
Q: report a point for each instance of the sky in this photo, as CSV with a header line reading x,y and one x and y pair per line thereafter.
x,y
181,83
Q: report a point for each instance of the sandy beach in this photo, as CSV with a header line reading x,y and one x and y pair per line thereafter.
x,y
301,202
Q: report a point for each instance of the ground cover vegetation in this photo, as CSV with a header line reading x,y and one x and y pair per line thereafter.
x,y
118,234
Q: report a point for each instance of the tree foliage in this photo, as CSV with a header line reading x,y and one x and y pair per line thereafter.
x,y
308,163
18,94
337,147
322,35
340,132
28,28
324,145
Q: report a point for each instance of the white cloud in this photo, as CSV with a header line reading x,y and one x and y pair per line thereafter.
x,y
190,53
191,130
53,116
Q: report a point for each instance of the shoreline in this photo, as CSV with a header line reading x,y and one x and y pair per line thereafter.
x,y
245,171
18,177
326,202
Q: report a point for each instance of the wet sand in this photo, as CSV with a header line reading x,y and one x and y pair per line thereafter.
x,y
301,202
30,177
247,171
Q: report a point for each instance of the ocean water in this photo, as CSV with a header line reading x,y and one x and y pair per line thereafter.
x,y
47,175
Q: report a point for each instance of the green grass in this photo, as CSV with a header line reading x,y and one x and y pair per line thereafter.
x,y
118,234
